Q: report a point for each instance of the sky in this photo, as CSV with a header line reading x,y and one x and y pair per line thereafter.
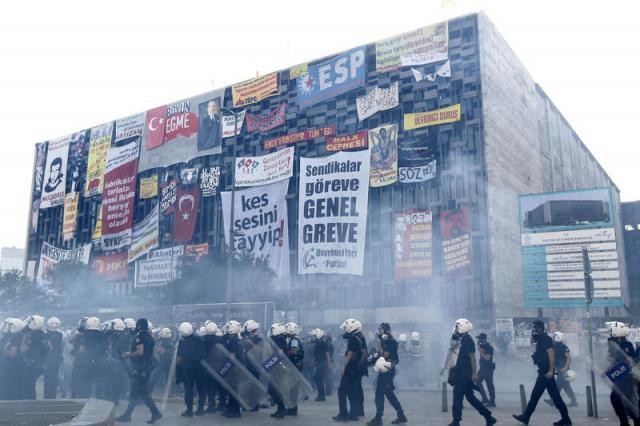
x,y
70,65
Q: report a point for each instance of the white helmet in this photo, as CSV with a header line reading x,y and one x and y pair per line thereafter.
x,y
317,333
618,329
351,325
130,323
402,338
569,375
201,331
251,325
149,325
106,326
53,323
232,327
92,323
558,336
118,325
165,333
415,336
185,329
292,328
463,326
35,322
382,365
12,325
211,328
277,329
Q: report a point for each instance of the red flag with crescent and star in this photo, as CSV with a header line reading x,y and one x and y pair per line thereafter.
x,y
156,121
186,213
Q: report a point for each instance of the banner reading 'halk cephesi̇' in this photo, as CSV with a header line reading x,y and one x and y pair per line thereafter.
x,y
260,225
332,218
118,196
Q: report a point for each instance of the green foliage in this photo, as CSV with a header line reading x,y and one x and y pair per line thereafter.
x,y
75,284
18,291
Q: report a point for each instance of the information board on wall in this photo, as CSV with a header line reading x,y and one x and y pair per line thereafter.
x,y
555,227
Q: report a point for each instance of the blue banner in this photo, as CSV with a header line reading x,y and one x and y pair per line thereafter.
x,y
332,77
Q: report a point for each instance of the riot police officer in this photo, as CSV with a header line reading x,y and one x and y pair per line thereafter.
x,y
114,379
278,334
544,358
250,339
487,368
385,366
563,365
351,377
188,360
35,347
295,351
231,341
14,362
415,357
621,353
54,358
142,365
321,361
165,350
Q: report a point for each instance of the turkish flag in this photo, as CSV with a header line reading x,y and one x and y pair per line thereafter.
x,y
186,213
156,121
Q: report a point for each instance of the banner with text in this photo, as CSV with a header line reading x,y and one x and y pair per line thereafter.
x,y
228,121
149,187
422,46
260,225
431,118
254,90
348,142
145,235
130,127
455,230
268,121
70,216
413,233
302,136
383,143
332,218
40,162
270,168
55,173
112,267
99,144
50,256
159,268
377,100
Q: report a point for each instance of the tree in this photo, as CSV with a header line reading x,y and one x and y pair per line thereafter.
x,y
74,284
19,292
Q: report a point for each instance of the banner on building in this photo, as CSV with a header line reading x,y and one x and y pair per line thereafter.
x,y
332,213
34,216
260,225
76,167
99,144
270,168
40,162
119,196
378,100
383,143
417,157
55,173
209,181
112,267
70,216
31,269
505,335
186,217
182,131
96,236
413,236
228,121
145,235
431,118
418,173
50,256
422,46
169,196
156,271
130,127
268,121
188,176
198,251
302,136
149,187
332,77
352,142
298,70
443,71
455,230
254,90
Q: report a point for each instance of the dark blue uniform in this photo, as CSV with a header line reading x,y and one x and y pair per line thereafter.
x,y
384,384
191,352
52,364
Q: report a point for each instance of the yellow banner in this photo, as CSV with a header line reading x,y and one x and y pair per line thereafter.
x,y
97,231
298,70
255,90
96,162
422,46
149,187
70,216
431,118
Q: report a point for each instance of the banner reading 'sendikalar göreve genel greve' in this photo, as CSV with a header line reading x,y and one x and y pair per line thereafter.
x,y
332,213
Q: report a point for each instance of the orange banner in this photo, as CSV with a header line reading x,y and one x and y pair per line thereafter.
x,y
255,90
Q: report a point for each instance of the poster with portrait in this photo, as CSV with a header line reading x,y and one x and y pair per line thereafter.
x,y
55,173
455,231
38,169
383,145
412,243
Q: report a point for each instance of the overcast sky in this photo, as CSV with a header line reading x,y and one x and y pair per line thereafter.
x,y
67,66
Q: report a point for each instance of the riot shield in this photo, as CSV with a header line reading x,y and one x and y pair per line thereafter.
x,y
234,377
285,379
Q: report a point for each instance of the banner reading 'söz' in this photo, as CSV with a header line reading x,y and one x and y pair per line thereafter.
x,y
332,221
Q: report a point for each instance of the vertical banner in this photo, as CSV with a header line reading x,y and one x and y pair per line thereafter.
x,y
70,216
145,235
186,218
417,157
155,122
455,230
50,256
168,196
413,233
228,121
96,236
332,213
209,181
119,195
260,225
77,147
38,169
99,145
55,173
383,144
505,335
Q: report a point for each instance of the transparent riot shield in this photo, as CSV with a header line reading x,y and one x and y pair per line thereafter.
x,y
285,379
234,377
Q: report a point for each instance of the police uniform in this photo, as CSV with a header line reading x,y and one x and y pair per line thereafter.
x,y
191,352
281,343
232,344
321,364
363,371
37,348
623,392
210,384
485,373
350,380
14,368
384,384
52,364
165,357
561,351
295,351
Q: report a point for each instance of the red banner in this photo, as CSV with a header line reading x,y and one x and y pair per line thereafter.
x,y
299,137
181,122
197,250
186,213
155,124
348,142
267,121
413,232
113,267
455,230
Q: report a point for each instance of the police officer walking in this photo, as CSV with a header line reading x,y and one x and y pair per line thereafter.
x,y
189,368
544,359
466,375
385,366
351,377
142,365
54,358
487,367
622,393
563,366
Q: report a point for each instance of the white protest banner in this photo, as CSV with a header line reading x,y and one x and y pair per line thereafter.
x,y
130,127
443,71
377,100
270,168
260,225
159,268
229,120
145,235
50,256
55,173
418,173
332,220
